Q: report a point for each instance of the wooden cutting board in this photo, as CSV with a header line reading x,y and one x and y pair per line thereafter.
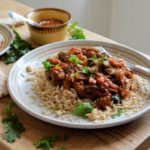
x,y
134,135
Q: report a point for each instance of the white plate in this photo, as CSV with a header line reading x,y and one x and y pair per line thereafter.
x,y
21,91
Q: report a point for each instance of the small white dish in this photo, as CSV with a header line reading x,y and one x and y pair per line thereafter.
x,y
6,38
21,90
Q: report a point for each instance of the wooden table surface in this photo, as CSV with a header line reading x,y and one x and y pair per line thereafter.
x,y
134,135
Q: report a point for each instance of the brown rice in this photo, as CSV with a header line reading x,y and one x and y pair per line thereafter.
x,y
58,99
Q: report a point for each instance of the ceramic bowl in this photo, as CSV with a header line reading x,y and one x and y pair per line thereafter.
x,y
6,38
43,35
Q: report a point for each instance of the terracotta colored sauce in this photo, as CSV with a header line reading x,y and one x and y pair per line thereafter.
x,y
49,23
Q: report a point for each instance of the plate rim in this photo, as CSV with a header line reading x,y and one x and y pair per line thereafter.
x,y
62,122
12,36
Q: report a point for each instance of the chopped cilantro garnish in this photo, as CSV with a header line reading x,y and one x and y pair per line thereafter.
x,y
95,60
94,56
83,109
101,60
47,65
86,70
75,59
12,127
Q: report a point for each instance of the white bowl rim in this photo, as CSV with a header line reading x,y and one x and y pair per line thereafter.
x,y
8,29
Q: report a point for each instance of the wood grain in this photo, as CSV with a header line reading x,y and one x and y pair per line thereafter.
x,y
125,137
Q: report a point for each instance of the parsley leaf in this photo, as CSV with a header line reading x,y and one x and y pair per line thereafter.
x,y
83,109
101,60
47,142
43,143
95,60
75,59
12,127
18,48
47,65
86,70
75,31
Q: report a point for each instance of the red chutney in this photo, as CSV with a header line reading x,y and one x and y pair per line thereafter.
x,y
49,23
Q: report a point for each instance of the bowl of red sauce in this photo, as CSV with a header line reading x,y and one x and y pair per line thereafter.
x,y
50,25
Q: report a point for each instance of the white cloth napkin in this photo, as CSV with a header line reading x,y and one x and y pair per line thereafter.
x,y
10,22
3,84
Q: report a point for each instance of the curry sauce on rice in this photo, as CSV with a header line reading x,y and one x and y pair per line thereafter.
x,y
89,84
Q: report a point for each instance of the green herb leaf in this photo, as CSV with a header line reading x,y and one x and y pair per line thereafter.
x,y
47,65
12,127
83,109
101,60
95,60
75,31
18,48
75,59
86,70
47,143
44,144
115,98
118,113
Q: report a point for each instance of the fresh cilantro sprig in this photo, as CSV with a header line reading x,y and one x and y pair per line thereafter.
x,y
18,48
99,60
86,70
12,127
118,113
48,142
75,31
93,58
83,109
47,65
75,59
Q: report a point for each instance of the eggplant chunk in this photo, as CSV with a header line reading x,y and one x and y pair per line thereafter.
x,y
93,91
79,88
103,102
63,56
57,76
